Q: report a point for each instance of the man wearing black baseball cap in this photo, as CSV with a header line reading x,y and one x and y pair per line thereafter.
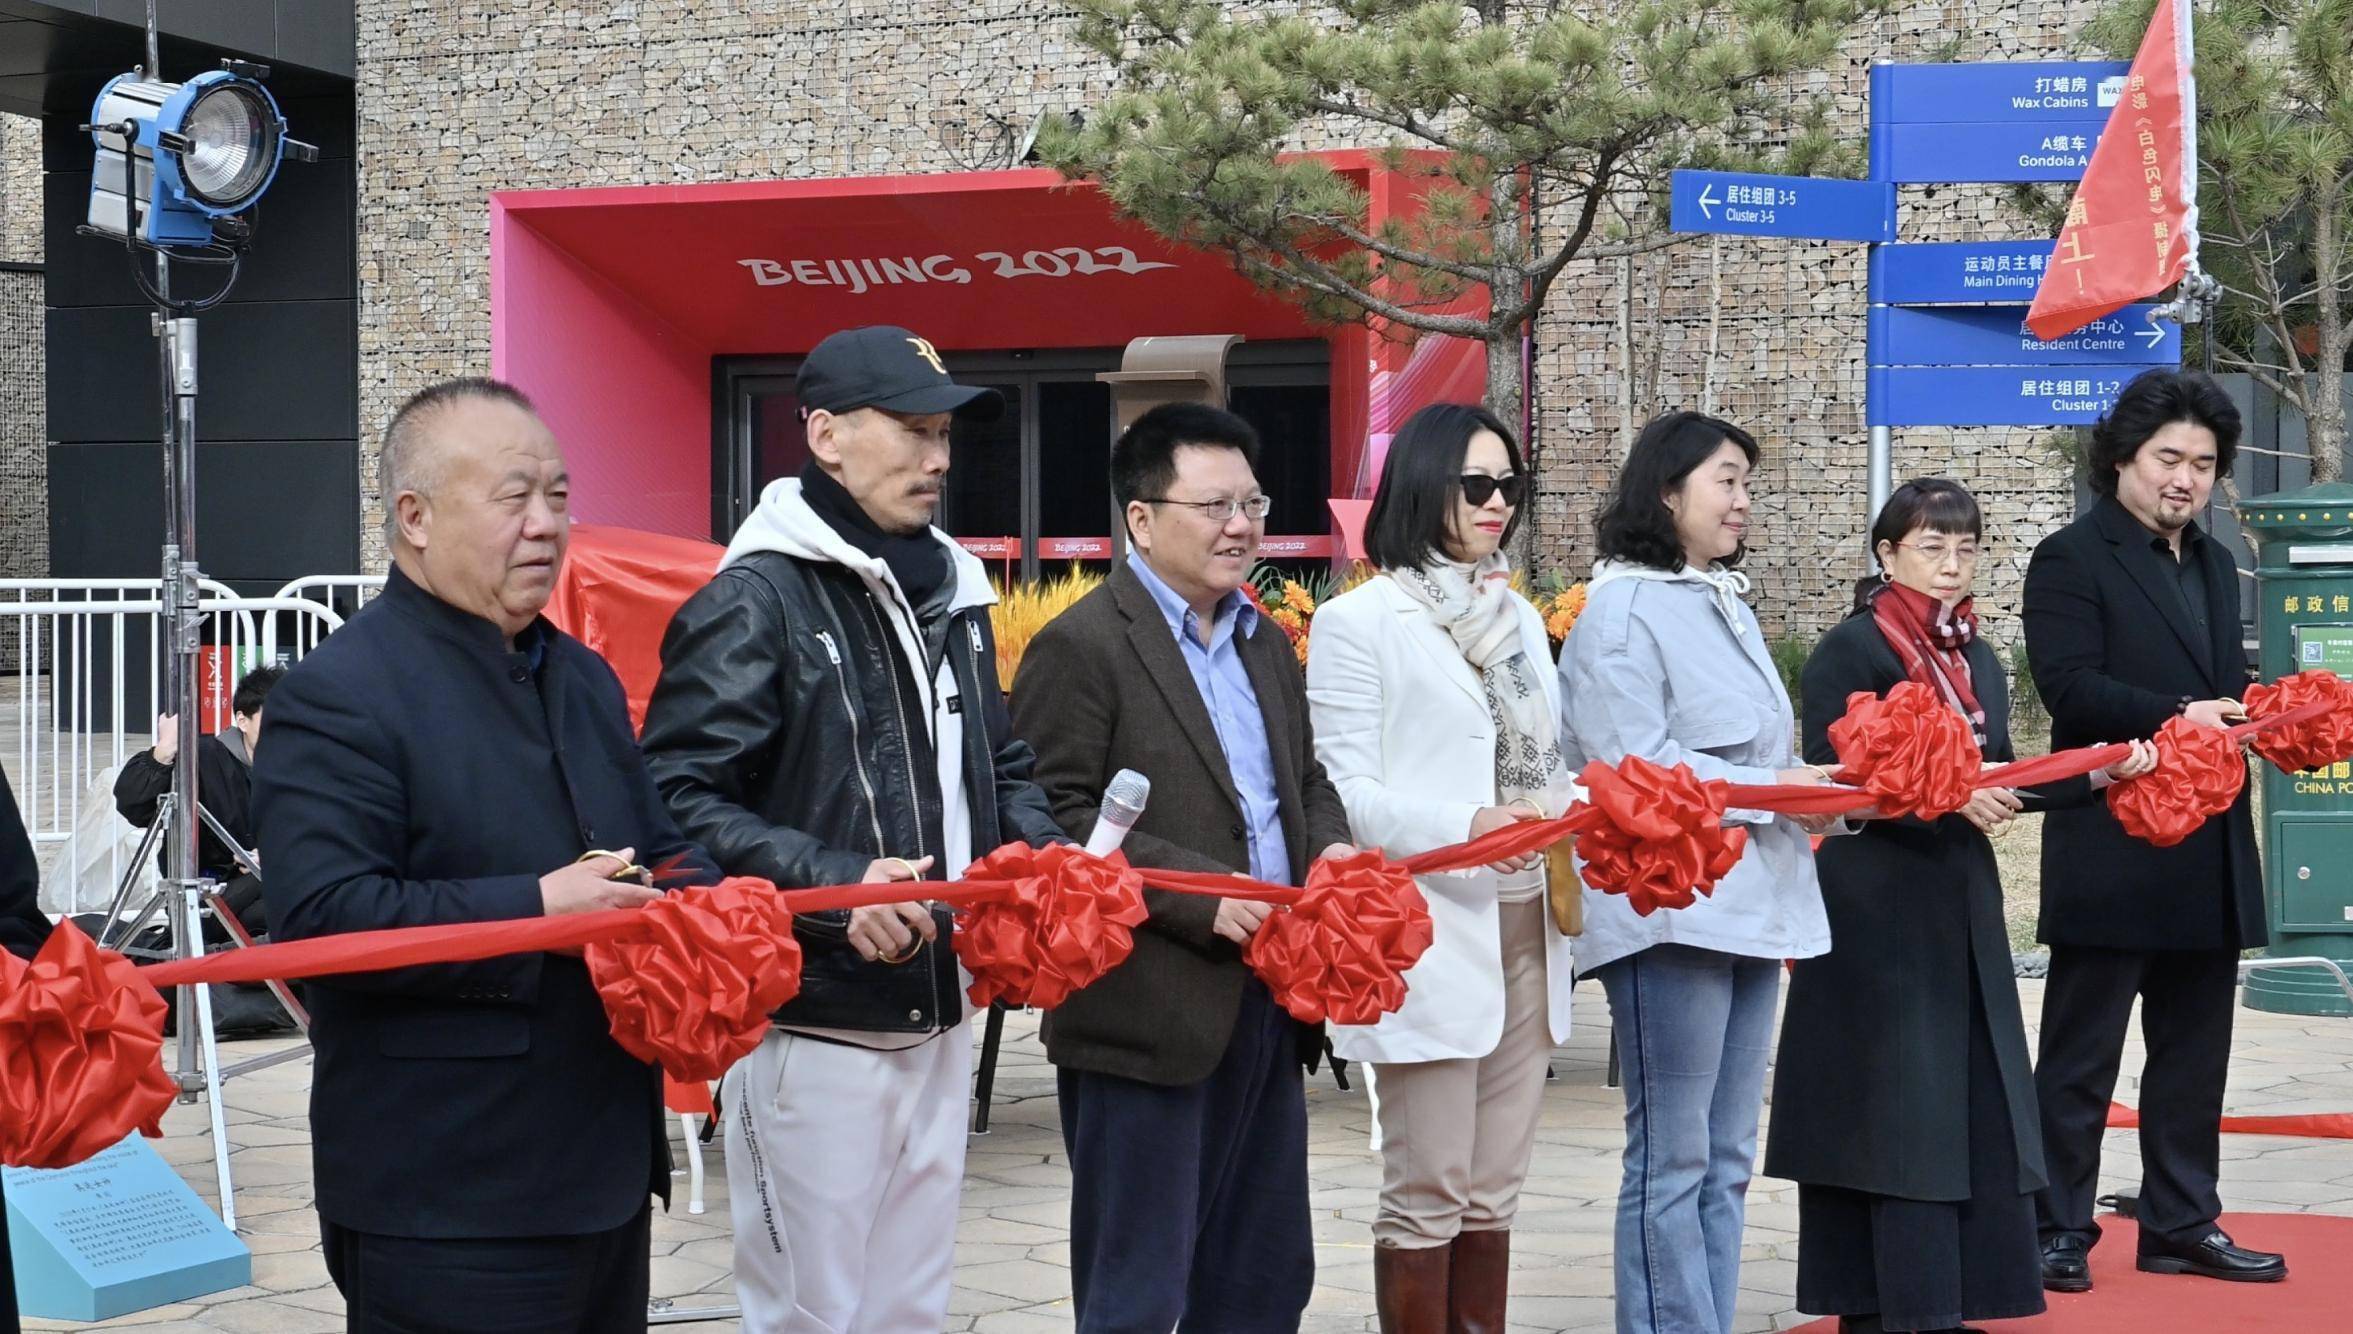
x,y
828,713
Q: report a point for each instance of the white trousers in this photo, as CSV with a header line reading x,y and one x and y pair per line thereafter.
x,y
844,1167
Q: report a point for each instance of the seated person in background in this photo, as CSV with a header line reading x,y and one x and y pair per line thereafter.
x,y
224,784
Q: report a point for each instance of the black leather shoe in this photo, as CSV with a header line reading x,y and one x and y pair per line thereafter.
x,y
2067,1265
2213,1256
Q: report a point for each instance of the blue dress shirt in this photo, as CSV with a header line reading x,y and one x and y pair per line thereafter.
x,y
1224,683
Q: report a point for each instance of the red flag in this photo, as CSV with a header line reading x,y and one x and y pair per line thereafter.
x,y
2132,227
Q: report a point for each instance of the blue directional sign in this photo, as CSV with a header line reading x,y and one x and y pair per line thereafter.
x,y
1985,92
1995,395
1819,208
1938,154
1941,272
1990,121
1998,336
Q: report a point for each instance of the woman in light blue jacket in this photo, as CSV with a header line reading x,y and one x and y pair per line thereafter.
x,y
1667,662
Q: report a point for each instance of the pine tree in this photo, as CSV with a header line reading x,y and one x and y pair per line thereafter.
x,y
1487,107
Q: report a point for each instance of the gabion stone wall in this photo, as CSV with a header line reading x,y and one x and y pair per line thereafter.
x,y
24,424
455,102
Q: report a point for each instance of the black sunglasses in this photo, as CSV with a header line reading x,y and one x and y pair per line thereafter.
x,y
1478,488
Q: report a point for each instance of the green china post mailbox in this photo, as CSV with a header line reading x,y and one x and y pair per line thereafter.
x,y
2304,611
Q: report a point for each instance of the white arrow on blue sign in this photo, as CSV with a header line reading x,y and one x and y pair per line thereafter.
x,y
1998,336
1995,395
1934,273
1736,203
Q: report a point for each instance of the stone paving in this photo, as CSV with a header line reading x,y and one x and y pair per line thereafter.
x,y
1012,1274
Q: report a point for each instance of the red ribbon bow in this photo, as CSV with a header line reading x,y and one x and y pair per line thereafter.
x,y
1340,953
81,1042
2318,741
1063,919
1911,751
1653,834
2199,774
691,985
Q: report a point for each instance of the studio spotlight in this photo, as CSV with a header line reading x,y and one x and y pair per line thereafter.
x,y
177,159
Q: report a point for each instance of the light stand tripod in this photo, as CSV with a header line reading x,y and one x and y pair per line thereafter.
x,y
179,168
185,894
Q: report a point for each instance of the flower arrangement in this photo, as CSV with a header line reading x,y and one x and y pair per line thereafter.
x,y
1560,609
1286,601
1023,609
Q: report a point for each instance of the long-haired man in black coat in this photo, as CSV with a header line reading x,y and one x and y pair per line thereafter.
x,y
2132,617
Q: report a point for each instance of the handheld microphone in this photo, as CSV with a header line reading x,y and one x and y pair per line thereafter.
x,y
1123,805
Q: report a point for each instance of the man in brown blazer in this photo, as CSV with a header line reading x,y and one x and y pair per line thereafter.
x,y
1179,1077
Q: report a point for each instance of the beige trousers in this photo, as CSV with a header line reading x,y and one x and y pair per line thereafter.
x,y
1456,1135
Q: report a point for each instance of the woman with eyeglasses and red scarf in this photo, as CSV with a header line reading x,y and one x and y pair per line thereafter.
x,y
1903,1099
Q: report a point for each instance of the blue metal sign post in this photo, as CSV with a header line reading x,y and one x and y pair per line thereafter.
x,y
1948,344
1738,203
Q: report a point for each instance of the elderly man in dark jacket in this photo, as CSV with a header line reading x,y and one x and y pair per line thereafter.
x,y
828,713
1179,1077
484,1151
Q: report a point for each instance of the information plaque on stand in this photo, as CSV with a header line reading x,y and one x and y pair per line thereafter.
x,y
118,1233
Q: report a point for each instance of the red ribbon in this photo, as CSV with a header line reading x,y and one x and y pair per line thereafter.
x,y
1653,834
1911,751
81,1034
1340,952
690,987
1063,919
2322,739
2199,774
690,981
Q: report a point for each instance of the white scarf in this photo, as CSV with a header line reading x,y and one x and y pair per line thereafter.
x,y
1475,606
1727,588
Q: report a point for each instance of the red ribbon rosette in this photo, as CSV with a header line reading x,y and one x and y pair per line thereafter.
x,y
1340,953
1911,751
1064,919
1653,834
2198,775
2295,747
81,1041
691,985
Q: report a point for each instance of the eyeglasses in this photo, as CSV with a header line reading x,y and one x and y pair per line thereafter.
x,y
1936,553
1222,509
1478,488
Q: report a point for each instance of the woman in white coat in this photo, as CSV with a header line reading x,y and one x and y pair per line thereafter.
x,y
1437,717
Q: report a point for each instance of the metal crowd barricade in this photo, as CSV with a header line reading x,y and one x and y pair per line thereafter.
x,y
87,687
342,594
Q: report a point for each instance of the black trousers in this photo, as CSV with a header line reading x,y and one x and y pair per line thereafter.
x,y
590,1284
1188,1204
2188,1001
1930,1264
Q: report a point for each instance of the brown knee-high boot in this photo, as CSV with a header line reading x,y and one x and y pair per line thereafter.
x,y
1475,1290
1409,1288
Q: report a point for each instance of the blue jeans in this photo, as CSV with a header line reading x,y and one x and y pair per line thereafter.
x,y
1694,1030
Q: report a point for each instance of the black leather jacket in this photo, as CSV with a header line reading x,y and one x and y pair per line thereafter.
x,y
787,736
